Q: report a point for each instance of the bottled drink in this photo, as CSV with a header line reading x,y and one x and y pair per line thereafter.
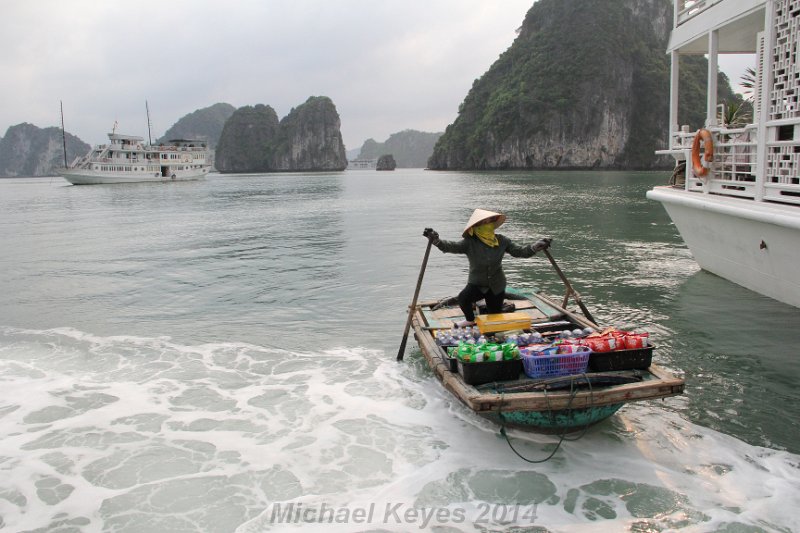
x,y
440,338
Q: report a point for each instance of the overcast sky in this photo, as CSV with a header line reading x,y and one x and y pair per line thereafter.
x,y
388,65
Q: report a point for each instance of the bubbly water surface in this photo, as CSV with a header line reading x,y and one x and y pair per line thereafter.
x,y
219,356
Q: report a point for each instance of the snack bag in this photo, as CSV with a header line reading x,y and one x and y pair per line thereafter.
x,y
491,351
510,351
494,356
466,352
635,341
601,344
536,350
569,348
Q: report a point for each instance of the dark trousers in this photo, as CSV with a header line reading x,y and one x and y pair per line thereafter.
x,y
471,294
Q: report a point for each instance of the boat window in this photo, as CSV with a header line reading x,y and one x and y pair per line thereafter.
x,y
786,133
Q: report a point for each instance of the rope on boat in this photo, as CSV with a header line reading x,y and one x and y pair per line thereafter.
x,y
562,436
678,178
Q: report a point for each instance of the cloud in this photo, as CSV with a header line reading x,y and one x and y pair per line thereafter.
x,y
387,65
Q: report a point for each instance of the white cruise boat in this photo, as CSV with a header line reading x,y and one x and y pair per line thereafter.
x,y
362,164
738,208
127,159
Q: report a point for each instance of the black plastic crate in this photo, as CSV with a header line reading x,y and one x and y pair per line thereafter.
x,y
489,371
453,364
638,358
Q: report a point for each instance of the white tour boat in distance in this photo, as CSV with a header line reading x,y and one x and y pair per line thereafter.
x,y
738,208
127,159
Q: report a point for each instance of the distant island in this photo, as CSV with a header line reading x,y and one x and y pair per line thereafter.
x,y
307,139
386,162
206,124
410,148
27,150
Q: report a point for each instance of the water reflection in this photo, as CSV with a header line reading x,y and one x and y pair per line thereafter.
x,y
736,347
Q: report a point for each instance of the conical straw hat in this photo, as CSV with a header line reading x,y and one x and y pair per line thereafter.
x,y
479,215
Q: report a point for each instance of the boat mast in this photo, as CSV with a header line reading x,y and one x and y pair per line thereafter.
x,y
63,133
147,107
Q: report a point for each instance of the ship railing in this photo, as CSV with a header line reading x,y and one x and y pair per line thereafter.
x,y
174,148
782,179
86,160
733,169
688,9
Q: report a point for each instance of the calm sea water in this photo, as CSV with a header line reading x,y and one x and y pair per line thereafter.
x,y
199,356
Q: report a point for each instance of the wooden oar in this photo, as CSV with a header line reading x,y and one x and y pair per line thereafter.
x,y
570,290
414,302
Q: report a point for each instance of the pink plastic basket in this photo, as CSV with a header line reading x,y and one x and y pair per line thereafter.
x,y
545,366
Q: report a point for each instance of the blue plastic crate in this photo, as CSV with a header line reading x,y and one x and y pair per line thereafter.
x,y
546,366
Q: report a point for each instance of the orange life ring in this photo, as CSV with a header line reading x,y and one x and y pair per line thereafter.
x,y
708,151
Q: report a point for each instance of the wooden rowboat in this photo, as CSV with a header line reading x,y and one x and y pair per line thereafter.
x,y
546,405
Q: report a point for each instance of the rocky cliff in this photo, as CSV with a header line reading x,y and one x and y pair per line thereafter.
x,y
307,139
584,85
386,162
310,138
27,150
410,148
246,140
206,123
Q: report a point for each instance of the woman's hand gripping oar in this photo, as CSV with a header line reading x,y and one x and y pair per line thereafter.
x,y
432,236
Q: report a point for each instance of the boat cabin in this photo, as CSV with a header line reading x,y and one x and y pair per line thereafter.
x,y
755,156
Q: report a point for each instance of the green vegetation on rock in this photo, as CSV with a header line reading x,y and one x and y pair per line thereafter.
x,y
307,139
410,148
584,85
27,150
310,138
245,144
206,123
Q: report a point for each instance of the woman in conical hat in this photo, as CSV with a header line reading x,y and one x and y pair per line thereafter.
x,y
485,250
482,216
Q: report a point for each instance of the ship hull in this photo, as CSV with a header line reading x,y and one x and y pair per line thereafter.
x,y
90,177
752,244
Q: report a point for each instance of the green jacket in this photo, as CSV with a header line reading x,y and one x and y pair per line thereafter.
x,y
486,262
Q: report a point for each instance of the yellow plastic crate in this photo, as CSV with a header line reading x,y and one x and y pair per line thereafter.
x,y
502,322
